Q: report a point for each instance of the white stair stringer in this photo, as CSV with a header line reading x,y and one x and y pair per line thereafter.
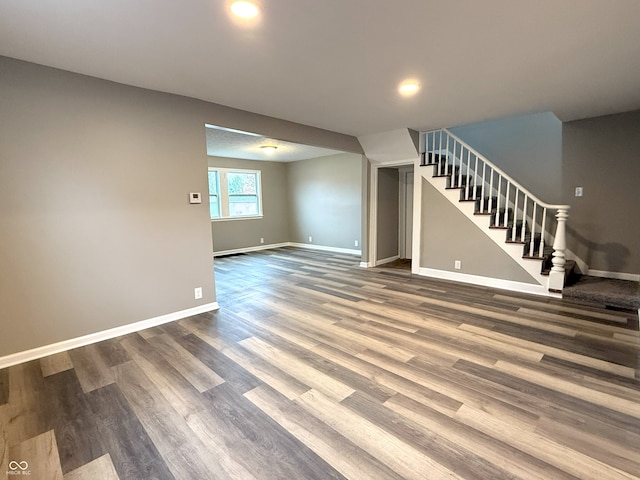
x,y
532,266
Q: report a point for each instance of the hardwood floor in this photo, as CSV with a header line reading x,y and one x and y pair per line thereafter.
x,y
317,369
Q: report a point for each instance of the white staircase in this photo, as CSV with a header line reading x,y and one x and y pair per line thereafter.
x,y
529,230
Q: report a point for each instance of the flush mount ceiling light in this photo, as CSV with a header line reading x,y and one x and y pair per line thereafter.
x,y
245,9
268,149
409,88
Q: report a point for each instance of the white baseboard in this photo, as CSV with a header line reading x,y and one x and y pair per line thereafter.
x,y
287,244
250,249
365,265
617,275
487,282
325,248
387,260
65,345
585,270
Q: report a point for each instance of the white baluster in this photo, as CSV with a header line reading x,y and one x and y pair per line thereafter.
x,y
533,229
460,165
440,154
433,148
496,220
452,182
446,163
556,276
468,173
543,231
515,214
484,198
524,217
475,179
491,191
506,205
426,147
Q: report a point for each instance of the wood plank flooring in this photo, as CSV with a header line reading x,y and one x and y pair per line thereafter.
x,y
317,369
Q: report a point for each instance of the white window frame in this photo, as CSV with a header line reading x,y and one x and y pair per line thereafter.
x,y
223,193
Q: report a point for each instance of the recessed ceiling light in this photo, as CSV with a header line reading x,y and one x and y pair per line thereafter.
x,y
245,9
409,88
269,149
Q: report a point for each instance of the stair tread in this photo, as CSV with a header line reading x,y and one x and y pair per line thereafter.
x,y
533,257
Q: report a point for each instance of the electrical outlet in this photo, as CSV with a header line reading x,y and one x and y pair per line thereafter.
x,y
261,240
457,265
197,293
579,191
355,243
310,239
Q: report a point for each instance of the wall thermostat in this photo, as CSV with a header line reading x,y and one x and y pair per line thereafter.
x,y
194,197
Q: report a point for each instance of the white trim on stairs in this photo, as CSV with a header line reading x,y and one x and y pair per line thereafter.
x,y
487,282
39,352
617,275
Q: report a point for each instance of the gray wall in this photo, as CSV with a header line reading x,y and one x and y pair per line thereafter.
x,y
95,227
447,235
325,198
388,213
528,148
273,226
603,155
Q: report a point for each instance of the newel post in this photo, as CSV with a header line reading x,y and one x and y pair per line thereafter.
x,y
557,274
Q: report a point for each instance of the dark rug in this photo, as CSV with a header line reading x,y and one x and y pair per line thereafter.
x,y
605,291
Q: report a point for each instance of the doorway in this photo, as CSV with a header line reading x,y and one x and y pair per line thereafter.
x,y
391,221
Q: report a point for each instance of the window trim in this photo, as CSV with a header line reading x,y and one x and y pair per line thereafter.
x,y
217,194
223,193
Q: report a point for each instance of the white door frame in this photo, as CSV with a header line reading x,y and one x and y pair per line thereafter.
x,y
404,172
373,202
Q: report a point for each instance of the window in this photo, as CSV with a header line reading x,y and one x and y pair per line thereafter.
x,y
214,196
234,193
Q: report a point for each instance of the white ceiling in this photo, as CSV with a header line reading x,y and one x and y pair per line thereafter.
x,y
335,64
223,142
